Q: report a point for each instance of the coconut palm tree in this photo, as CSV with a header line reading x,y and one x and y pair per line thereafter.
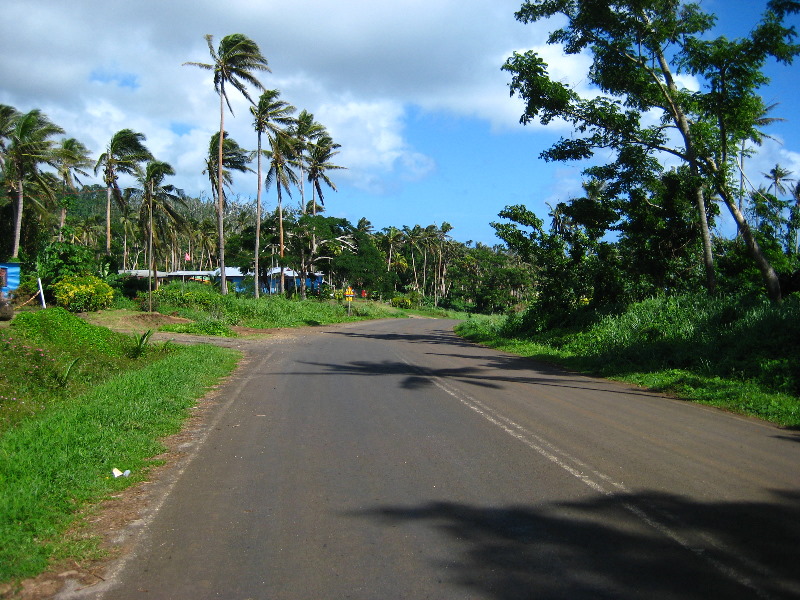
x,y
157,210
271,115
29,146
124,153
281,156
778,176
319,163
234,158
757,137
305,132
8,117
220,176
234,63
73,157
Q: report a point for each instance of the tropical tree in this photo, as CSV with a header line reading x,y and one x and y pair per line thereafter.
x,y
8,117
319,163
234,158
306,132
778,176
124,153
29,145
635,46
234,63
281,155
158,208
271,115
72,158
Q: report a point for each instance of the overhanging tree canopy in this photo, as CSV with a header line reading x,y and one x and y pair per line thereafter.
x,y
638,47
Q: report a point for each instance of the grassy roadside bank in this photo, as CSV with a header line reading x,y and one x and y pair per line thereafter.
x,y
738,354
214,314
95,400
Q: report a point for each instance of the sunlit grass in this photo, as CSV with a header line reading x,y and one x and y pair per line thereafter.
x,y
66,427
740,354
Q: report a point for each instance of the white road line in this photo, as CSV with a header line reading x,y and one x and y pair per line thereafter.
x,y
578,469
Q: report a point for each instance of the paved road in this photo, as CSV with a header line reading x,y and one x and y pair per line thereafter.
x,y
390,459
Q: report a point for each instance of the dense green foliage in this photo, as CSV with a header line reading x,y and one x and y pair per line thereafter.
x,y
83,293
740,353
214,314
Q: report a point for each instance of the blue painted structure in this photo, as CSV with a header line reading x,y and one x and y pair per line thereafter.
x,y
9,277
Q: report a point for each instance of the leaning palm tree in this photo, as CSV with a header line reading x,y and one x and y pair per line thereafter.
x,y
29,146
125,152
271,115
73,157
319,163
234,63
281,156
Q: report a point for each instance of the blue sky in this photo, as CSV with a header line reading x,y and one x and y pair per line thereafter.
x,y
411,89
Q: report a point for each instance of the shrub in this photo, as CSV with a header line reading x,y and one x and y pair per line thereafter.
x,y
401,302
83,293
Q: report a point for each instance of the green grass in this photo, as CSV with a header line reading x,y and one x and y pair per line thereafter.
x,y
214,314
56,460
49,356
739,354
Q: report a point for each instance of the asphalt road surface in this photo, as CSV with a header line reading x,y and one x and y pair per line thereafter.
x,y
391,459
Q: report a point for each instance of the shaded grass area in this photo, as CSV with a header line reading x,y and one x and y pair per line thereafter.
x,y
214,314
740,354
57,461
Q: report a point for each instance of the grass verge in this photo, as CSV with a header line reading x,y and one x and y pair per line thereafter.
x,y
737,354
57,463
215,314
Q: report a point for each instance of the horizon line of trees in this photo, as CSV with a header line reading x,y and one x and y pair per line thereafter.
x,y
40,175
638,230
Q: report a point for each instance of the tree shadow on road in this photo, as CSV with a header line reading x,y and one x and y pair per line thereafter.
x,y
493,373
589,549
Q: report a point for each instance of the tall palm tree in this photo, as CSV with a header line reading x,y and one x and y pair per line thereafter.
x,y
124,153
73,157
8,117
271,115
778,175
220,176
757,137
234,63
306,132
281,156
319,163
392,239
29,146
157,207
234,158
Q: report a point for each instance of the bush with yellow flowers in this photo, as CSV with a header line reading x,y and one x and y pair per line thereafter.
x,y
83,293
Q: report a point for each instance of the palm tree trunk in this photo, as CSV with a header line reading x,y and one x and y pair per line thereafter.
x,y
108,220
280,237
18,218
258,220
62,217
220,205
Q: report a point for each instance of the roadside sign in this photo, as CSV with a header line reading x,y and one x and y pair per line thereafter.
x,y
349,294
